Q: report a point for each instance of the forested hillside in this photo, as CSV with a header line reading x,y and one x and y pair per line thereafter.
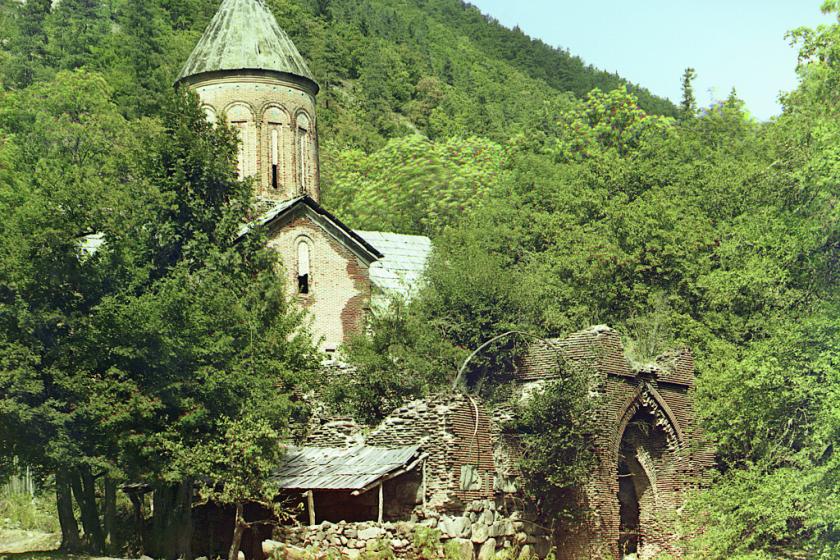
x,y
557,198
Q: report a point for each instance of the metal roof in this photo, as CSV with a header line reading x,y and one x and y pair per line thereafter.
x,y
401,270
244,35
357,468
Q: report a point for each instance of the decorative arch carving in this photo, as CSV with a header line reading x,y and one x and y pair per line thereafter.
x,y
648,397
239,111
240,115
304,150
210,114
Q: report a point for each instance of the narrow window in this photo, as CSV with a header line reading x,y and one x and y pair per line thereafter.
x,y
303,152
275,158
303,271
240,159
302,158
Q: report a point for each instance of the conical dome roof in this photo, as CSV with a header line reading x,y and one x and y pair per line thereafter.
x,y
244,35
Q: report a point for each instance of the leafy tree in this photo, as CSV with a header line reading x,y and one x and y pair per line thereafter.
x,y
76,30
237,468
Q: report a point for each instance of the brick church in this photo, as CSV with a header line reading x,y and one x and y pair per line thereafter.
x,y
249,74
446,462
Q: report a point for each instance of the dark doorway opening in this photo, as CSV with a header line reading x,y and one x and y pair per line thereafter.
x,y
628,501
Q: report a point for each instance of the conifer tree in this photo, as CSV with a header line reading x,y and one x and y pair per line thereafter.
x,y
688,106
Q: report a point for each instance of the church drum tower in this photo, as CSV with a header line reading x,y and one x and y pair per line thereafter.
x,y
247,71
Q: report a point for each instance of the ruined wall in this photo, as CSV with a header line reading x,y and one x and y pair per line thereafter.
x,y
339,282
456,433
484,528
663,460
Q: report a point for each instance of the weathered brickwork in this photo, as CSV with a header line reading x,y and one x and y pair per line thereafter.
x,y
339,284
647,438
460,466
275,115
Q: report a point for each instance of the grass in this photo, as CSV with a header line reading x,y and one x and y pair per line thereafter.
x,y
28,513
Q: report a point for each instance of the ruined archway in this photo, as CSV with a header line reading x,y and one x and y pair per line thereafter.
x,y
646,465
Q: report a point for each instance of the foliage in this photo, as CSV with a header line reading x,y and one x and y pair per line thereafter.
x,y
29,513
555,424
401,359
187,314
414,185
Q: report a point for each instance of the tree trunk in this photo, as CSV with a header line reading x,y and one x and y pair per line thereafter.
x,y
238,529
162,543
183,519
139,519
110,513
83,490
70,541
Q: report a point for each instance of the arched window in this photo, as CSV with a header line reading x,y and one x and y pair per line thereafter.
x,y
303,267
210,114
274,121
240,117
303,151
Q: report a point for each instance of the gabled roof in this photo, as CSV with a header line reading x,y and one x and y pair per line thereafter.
x,y
357,468
244,35
401,269
330,223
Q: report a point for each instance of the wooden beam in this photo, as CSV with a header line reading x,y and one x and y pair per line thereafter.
x,y
381,501
310,503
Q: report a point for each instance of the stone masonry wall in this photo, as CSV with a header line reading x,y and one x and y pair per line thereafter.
x,y
484,528
460,467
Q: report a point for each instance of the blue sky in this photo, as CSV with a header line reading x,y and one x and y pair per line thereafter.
x,y
738,43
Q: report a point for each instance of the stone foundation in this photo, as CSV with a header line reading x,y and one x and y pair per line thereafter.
x,y
483,531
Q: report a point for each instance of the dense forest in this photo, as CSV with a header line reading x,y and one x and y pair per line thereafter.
x,y
558,196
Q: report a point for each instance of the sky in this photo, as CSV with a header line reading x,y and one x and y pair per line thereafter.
x,y
731,43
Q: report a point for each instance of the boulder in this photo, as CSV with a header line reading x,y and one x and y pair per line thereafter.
x,y
455,527
526,553
480,533
371,533
502,528
241,555
488,550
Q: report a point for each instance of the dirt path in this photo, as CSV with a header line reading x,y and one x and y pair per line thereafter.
x,y
18,541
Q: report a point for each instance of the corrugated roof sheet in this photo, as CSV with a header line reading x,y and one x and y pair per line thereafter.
x,y
327,468
244,35
402,268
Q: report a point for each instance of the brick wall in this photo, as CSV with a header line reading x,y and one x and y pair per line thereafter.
x,y
268,104
646,428
339,295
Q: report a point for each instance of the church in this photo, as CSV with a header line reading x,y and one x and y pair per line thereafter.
x,y
249,74
448,462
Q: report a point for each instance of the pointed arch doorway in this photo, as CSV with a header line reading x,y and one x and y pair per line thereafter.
x,y
648,456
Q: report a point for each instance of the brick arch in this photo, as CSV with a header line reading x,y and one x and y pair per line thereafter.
x,y
646,396
266,107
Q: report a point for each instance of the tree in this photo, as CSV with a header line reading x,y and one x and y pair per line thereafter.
x,y
237,469
76,30
688,106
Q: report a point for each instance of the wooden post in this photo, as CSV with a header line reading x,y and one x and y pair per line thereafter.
x,y
310,502
424,485
381,502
